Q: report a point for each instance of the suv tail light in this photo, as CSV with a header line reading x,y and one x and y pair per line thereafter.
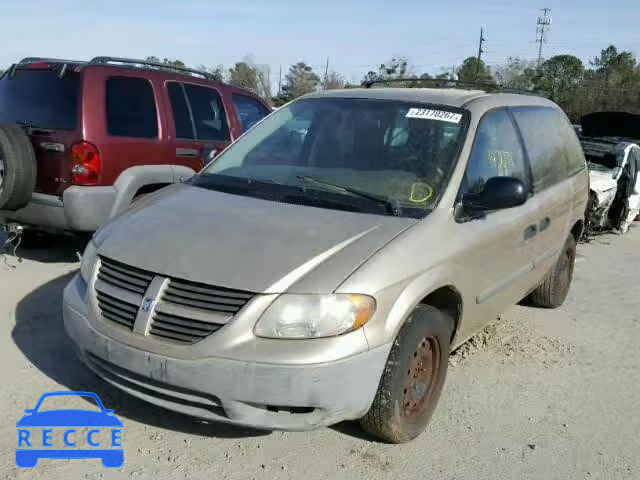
x,y
86,164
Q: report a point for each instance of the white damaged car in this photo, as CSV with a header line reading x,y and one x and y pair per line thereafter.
x,y
613,157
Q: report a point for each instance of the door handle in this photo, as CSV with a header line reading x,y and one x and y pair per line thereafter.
x,y
530,232
544,224
187,152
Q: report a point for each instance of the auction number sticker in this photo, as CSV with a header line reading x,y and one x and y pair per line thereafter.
x,y
430,114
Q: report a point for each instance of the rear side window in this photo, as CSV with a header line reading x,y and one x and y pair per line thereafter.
x,y
249,110
554,150
180,109
497,152
39,97
208,113
131,108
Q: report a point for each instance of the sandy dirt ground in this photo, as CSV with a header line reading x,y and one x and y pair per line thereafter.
x,y
538,395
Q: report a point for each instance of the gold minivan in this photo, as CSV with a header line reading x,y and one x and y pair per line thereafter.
x,y
323,267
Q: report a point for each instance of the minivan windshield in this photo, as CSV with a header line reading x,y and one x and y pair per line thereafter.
x,y
40,98
368,155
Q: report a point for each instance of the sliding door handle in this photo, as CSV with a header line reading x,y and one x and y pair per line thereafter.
x,y
544,224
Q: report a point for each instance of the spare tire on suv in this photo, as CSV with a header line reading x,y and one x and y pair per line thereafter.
x,y
17,167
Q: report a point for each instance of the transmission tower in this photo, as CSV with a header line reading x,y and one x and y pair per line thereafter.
x,y
480,52
542,31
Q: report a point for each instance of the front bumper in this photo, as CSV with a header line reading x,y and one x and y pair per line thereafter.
x,y
260,395
81,209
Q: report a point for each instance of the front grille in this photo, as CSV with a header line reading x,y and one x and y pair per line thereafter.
x,y
181,328
117,310
185,311
205,297
124,276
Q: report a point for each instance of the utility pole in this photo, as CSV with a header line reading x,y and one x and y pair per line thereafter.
x,y
542,30
480,52
280,81
326,74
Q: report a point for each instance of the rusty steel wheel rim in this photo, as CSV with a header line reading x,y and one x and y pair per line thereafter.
x,y
565,268
421,377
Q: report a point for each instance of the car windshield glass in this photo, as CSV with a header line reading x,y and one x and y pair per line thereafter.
x,y
602,157
66,402
40,98
388,157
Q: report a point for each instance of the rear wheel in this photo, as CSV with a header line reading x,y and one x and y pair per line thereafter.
x,y
17,167
552,292
413,378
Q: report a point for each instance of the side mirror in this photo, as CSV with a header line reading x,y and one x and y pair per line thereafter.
x,y
498,193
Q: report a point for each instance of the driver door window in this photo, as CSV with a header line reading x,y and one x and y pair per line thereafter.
x,y
497,152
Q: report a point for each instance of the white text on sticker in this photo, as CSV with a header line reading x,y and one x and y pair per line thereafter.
x,y
429,114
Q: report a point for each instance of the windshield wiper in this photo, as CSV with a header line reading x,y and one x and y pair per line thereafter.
x,y
358,193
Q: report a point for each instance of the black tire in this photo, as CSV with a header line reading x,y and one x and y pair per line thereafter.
x,y
404,402
552,292
18,165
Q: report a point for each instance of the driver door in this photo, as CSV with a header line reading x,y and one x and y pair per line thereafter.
x,y
497,259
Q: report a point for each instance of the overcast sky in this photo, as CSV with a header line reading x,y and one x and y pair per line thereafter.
x,y
356,35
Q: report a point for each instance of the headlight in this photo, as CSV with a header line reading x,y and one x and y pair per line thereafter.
x,y
88,261
314,316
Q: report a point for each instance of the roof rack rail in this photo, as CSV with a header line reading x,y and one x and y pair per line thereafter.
x,y
43,59
446,83
438,81
133,61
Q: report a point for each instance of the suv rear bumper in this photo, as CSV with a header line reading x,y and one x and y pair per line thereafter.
x,y
241,392
81,209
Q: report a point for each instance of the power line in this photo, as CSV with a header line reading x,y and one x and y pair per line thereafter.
x,y
542,29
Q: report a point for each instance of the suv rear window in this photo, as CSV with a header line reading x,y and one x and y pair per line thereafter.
x,y
40,98
131,108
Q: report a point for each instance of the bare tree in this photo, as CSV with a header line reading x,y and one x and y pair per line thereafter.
x,y
334,81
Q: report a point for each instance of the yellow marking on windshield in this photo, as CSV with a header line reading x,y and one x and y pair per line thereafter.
x,y
420,192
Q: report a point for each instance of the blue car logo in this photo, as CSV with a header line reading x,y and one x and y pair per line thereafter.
x,y
105,430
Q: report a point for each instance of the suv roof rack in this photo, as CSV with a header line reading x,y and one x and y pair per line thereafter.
x,y
53,60
134,61
445,83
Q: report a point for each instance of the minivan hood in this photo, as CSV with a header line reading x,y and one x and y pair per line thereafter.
x,y
245,243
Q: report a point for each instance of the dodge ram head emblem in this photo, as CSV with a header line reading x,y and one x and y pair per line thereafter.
x,y
147,304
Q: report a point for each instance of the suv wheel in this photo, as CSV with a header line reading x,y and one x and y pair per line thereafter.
x,y
17,167
552,292
412,379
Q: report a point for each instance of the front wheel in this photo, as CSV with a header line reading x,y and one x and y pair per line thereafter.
x,y
412,379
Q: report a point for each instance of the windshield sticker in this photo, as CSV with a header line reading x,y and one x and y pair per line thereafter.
x,y
420,192
429,114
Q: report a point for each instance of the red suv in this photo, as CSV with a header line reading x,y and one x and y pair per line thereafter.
x,y
80,140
